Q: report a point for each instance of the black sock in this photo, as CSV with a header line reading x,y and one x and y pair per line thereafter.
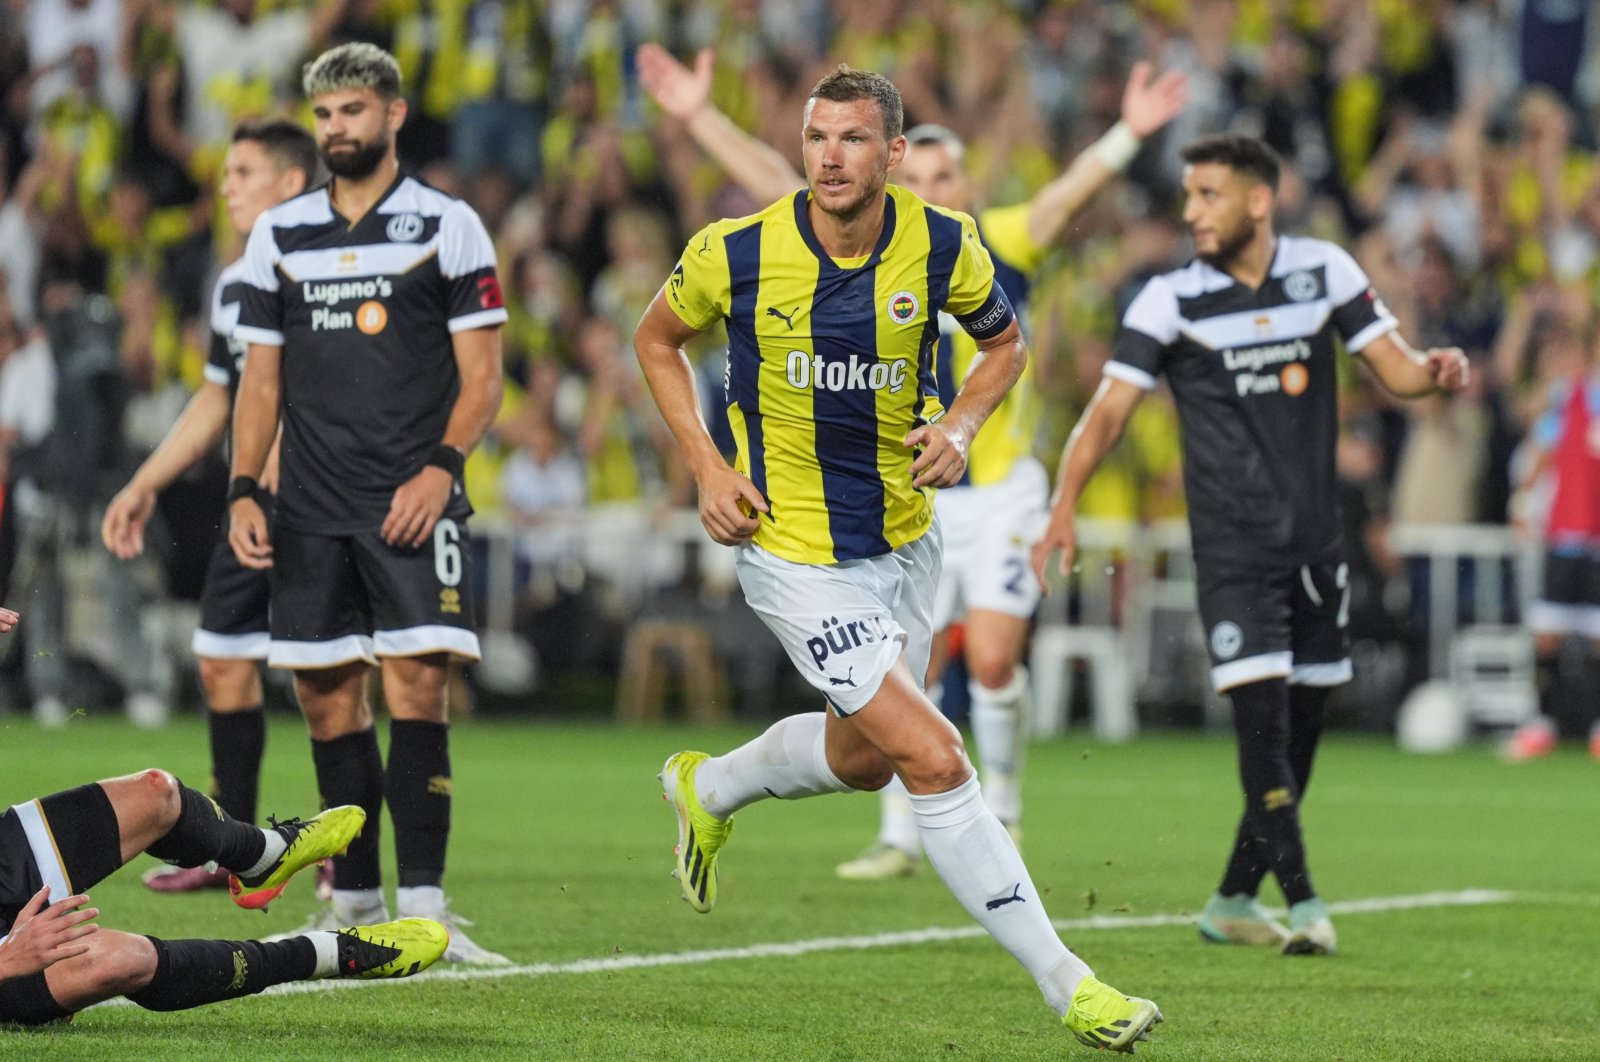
x,y
1269,832
1308,713
419,798
192,973
237,741
1547,680
204,833
350,771
1590,713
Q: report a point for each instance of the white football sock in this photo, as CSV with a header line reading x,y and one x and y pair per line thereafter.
x,y
788,761
998,718
977,861
359,907
327,945
898,825
276,846
419,901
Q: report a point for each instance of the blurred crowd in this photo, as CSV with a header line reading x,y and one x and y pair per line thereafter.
x,y
1450,144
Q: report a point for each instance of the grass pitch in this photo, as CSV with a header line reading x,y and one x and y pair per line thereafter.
x,y
562,851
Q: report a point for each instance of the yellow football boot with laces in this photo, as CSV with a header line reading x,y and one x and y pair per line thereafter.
x,y
1106,1020
700,835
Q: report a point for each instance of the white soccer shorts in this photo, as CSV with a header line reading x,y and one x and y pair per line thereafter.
x,y
844,625
989,533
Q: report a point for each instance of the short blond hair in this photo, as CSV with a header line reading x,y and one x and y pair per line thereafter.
x,y
356,65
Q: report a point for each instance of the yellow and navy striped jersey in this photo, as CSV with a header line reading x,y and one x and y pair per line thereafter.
x,y
1008,435
831,363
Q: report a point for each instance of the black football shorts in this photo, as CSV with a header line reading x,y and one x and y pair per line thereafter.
x,y
1276,621
69,841
1569,600
233,604
344,597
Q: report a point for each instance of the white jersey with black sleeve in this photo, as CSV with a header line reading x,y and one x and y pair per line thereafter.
x,y
225,353
365,314
1254,377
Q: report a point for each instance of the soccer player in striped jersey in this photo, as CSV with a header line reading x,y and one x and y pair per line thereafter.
x,y
266,164
1245,335
991,516
373,315
831,299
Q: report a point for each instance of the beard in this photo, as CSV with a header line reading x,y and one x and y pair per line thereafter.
x,y
358,163
853,208
1228,247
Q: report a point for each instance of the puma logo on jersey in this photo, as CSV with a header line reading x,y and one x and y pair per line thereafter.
x,y
848,680
786,318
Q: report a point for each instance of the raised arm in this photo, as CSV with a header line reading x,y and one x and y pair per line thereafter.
x,y
728,500
1096,432
685,94
1148,103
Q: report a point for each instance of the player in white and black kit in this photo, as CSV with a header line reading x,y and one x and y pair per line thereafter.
x,y
373,312
1247,337
266,164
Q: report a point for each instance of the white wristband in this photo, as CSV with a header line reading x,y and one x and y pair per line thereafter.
x,y
1118,147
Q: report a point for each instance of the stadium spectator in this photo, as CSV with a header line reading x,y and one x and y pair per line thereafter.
x,y
67,38
71,374
383,356
1254,376
19,235
544,484
839,556
989,516
1328,84
265,165
1562,479
236,63
27,415
627,449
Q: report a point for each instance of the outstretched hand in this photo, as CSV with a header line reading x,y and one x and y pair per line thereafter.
x,y
1150,102
8,620
679,90
42,936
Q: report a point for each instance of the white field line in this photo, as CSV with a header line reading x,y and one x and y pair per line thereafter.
x,y
616,963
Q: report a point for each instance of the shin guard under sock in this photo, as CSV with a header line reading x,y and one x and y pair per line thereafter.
x,y
192,973
350,771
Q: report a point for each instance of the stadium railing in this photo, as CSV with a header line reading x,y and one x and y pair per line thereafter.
x,y
1126,611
